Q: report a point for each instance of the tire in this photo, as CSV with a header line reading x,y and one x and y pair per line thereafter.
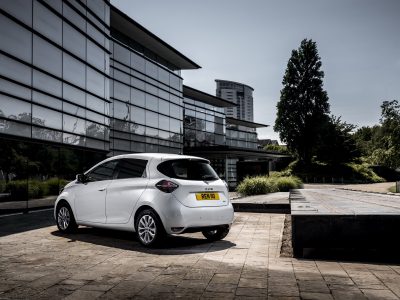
x,y
149,228
216,234
65,218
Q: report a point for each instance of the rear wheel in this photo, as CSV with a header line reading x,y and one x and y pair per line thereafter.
x,y
65,218
149,228
217,233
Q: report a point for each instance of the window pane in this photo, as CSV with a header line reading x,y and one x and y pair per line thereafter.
x,y
163,122
21,9
137,62
151,102
103,172
46,134
74,17
14,89
98,7
15,109
121,54
121,110
73,70
47,83
94,130
14,128
95,55
163,76
12,69
130,168
74,41
47,23
73,94
137,115
175,125
46,117
15,39
151,119
97,35
46,56
73,124
74,110
151,70
137,97
95,82
95,103
163,107
121,91
46,100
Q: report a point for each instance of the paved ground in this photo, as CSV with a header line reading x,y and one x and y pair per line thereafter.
x,y
370,187
273,198
42,264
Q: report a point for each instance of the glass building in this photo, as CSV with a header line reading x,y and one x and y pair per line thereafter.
x,y
225,141
81,81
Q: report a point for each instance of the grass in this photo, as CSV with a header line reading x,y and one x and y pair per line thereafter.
x,y
268,184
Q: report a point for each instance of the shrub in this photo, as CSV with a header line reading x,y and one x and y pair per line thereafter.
x,y
36,189
264,185
53,186
287,183
18,189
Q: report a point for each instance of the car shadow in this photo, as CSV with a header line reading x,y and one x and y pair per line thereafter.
x,y
172,245
11,224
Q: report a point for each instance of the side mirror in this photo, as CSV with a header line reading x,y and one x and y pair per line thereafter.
x,y
81,178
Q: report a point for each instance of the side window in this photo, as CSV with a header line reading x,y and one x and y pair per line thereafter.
x,y
102,172
131,168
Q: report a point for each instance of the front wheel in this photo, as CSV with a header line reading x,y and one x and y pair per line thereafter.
x,y
149,228
65,218
216,234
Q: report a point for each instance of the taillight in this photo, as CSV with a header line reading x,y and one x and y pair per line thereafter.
x,y
166,186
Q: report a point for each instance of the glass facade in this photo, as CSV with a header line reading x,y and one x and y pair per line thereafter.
x,y
204,124
73,91
241,136
147,106
54,73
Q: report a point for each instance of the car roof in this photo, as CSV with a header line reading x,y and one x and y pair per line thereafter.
x,y
160,156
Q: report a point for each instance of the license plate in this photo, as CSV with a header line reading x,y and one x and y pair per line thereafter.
x,y
207,196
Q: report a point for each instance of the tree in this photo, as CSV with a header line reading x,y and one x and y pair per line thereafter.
x,y
337,143
387,152
303,106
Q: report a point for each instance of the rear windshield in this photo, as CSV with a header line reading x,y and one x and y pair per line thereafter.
x,y
188,169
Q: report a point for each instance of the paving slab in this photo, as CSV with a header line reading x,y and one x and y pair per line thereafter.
x,y
37,262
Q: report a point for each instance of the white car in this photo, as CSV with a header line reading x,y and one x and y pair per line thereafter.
x,y
152,194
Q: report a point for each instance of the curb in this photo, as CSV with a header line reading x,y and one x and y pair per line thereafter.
x,y
262,208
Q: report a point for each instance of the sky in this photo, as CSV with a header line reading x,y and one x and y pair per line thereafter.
x,y
250,41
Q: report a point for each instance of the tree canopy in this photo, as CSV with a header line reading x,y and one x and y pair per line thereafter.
x,y
303,104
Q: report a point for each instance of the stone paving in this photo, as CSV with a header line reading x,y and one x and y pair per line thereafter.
x,y
42,264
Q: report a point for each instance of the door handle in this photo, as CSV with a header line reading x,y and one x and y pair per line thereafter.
x,y
102,189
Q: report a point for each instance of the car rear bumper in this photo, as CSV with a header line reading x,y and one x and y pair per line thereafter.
x,y
178,218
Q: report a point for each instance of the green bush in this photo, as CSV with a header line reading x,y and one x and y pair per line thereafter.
x,y
52,186
264,184
18,189
287,183
36,189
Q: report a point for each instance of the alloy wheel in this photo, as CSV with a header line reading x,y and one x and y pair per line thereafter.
x,y
147,229
64,218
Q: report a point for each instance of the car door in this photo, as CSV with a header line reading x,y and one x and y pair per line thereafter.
x,y
125,190
90,198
